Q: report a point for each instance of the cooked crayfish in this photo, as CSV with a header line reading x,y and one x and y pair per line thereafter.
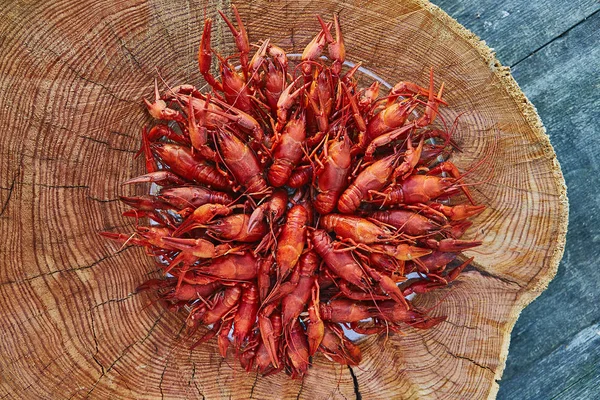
x,y
293,202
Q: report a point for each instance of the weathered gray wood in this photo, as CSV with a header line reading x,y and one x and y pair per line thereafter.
x,y
570,371
515,28
554,351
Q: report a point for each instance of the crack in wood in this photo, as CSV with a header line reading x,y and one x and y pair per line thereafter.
x,y
163,23
130,295
586,375
107,144
199,392
43,122
447,349
93,328
565,33
253,386
124,47
192,378
193,370
475,328
446,378
153,326
162,377
471,360
301,387
29,279
83,78
91,139
123,352
484,272
355,382
102,370
475,266
10,192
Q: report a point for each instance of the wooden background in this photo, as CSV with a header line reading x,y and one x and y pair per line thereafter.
x,y
553,49
555,344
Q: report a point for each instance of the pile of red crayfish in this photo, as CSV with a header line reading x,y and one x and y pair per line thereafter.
x,y
292,204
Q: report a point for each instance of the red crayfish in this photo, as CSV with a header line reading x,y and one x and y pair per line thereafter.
x,y
294,205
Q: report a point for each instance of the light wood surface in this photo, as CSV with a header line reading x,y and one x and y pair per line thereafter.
x,y
72,76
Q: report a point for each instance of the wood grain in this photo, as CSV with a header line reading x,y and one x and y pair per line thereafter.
x,y
72,76
514,28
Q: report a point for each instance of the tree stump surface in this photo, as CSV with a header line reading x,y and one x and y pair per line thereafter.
x,y
72,76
